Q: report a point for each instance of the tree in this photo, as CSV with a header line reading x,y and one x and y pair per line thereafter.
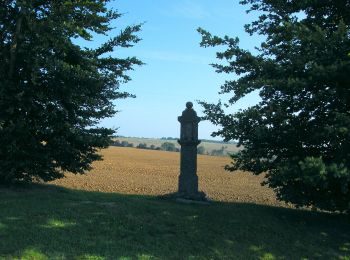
x,y
124,143
200,150
218,152
54,92
168,146
116,143
299,133
142,146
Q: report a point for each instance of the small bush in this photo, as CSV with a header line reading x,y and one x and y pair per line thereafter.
x,y
201,150
142,146
167,146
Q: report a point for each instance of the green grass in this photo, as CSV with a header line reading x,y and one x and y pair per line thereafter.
x,y
48,222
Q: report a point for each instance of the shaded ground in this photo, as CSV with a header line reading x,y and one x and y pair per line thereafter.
x,y
43,222
147,172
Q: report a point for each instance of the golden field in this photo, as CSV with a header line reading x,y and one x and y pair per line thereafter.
x,y
148,172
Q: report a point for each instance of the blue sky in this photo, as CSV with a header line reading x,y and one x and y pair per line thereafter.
x,y
177,69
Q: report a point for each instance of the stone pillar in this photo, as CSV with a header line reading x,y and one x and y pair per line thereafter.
x,y
188,179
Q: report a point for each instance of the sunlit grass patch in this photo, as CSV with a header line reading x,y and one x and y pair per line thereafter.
x,y
55,223
90,257
32,254
268,256
144,257
255,248
345,247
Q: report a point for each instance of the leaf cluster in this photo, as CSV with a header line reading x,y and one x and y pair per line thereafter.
x,y
53,92
299,133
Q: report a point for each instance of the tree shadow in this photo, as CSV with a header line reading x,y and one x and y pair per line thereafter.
x,y
48,222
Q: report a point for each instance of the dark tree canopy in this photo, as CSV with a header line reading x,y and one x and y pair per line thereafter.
x,y
299,133
52,91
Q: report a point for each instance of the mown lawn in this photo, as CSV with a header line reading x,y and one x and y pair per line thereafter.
x,y
49,222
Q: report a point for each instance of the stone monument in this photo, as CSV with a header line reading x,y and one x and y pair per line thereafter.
x,y
188,179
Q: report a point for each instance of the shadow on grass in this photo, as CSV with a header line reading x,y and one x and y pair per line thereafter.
x,y
49,222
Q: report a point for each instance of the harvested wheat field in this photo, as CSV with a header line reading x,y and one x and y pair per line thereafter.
x,y
148,172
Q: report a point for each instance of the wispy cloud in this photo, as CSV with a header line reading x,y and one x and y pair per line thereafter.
x,y
187,9
175,57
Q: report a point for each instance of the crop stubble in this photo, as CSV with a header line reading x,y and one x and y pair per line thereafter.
x,y
148,172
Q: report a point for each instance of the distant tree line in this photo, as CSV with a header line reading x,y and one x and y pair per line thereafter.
x,y
145,146
166,146
170,147
203,140
122,143
218,142
169,138
219,152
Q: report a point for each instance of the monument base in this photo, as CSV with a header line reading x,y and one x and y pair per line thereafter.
x,y
198,198
185,201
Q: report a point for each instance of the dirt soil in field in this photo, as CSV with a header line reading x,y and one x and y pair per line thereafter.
x,y
147,172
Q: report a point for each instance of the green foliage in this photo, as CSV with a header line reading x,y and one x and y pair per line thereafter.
x,y
142,146
53,92
126,144
122,143
167,146
299,133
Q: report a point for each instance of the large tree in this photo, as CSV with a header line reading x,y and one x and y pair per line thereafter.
x,y
53,93
299,133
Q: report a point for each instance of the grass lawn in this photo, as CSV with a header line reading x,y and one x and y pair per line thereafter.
x,y
49,222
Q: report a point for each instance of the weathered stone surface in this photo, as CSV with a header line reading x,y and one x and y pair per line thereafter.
x,y
188,179
189,126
